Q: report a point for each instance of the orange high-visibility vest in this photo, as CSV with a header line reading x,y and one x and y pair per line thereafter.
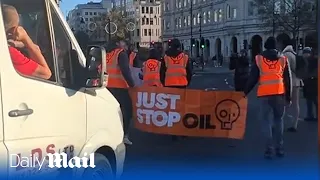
x,y
131,57
176,74
151,73
271,76
115,79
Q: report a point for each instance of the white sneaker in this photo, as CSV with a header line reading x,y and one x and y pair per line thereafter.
x,y
127,141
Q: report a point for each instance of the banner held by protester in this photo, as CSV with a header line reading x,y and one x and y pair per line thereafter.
x,y
187,112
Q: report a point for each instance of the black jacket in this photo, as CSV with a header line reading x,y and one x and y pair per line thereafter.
x,y
174,53
310,88
254,77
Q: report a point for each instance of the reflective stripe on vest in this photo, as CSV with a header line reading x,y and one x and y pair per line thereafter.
x,y
132,56
115,78
176,70
151,73
271,76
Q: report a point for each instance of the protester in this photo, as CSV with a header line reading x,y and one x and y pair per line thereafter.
x,y
178,70
310,89
35,65
272,72
241,67
152,75
297,83
136,65
119,80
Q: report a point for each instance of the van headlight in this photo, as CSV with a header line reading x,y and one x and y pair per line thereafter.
x,y
120,116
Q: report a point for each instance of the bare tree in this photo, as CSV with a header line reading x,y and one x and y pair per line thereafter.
x,y
116,20
288,16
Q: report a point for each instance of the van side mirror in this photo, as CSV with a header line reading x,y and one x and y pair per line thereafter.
x,y
96,67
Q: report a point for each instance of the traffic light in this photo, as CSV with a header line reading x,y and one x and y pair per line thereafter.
x,y
202,43
193,42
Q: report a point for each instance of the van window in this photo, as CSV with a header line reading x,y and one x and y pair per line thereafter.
x,y
71,71
34,20
63,48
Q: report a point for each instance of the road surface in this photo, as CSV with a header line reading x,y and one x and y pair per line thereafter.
x,y
158,157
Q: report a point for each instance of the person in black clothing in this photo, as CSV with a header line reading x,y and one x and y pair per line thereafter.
x,y
275,103
241,66
122,94
310,88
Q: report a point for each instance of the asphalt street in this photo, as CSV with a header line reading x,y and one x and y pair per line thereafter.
x,y
158,154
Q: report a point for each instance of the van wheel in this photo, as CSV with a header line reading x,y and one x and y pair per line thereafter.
x,y
103,169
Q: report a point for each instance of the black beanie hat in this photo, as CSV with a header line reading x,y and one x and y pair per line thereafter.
x,y
270,43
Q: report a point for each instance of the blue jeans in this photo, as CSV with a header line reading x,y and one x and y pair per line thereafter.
x,y
272,128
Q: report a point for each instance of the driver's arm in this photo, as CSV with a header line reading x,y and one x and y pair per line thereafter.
x,y
42,71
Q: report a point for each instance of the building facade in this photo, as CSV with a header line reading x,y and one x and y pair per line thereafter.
x,y
147,16
84,16
226,25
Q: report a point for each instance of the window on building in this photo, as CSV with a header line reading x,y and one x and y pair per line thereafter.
x,y
151,21
147,21
215,15
184,21
95,13
138,32
142,10
250,8
277,6
180,3
90,13
184,3
167,7
86,13
151,10
193,1
152,32
147,10
204,18
143,21
194,20
177,3
209,16
234,13
176,23
145,32
188,20
86,19
198,18
149,32
228,12
180,22
220,15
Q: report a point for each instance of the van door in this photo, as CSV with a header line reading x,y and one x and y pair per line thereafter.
x,y
41,116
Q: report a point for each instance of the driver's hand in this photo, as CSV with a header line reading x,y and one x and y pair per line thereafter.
x,y
16,44
21,34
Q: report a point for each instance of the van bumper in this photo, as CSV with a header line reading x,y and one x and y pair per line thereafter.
x,y
120,154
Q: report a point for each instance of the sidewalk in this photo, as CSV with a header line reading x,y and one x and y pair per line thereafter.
x,y
212,70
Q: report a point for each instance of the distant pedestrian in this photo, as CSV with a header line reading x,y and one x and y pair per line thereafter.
x,y
241,66
310,89
297,83
272,72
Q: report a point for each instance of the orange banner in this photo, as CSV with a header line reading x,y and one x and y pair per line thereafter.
x,y
187,112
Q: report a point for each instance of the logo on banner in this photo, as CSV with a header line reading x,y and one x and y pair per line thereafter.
x,y
227,112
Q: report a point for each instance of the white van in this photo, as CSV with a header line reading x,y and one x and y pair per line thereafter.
x,y
60,114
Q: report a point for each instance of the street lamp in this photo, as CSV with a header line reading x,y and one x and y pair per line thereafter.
x,y
191,25
200,33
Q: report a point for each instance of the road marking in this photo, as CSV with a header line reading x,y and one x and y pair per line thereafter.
x,y
211,89
300,119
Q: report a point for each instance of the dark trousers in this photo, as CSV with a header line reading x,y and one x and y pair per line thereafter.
x,y
272,128
124,99
311,103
